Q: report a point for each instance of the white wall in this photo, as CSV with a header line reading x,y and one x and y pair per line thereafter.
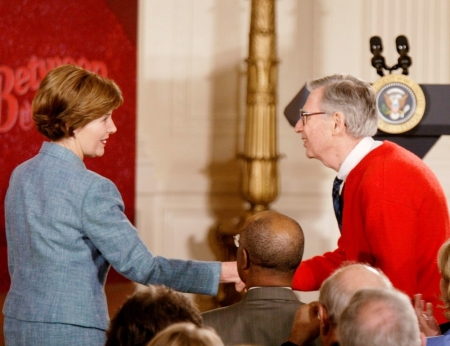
x,y
191,107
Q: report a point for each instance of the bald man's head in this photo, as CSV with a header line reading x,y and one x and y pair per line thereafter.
x,y
338,289
379,317
273,241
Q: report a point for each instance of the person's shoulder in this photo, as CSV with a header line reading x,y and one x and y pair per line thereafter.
x,y
24,166
32,163
389,157
440,340
394,151
392,167
220,312
215,317
61,164
407,164
386,149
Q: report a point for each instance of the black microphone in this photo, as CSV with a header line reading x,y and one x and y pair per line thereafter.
x,y
404,61
378,61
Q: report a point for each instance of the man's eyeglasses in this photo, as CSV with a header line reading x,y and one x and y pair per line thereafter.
x,y
304,115
236,240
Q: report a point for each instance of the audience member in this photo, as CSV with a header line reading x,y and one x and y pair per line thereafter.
x,y
424,312
186,334
270,249
322,318
146,313
377,317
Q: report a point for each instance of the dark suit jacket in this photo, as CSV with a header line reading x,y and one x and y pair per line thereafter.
x,y
264,316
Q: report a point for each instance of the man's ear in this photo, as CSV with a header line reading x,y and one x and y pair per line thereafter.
x,y
324,320
328,331
244,261
339,122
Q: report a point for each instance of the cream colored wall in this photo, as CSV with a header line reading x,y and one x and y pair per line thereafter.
x,y
191,106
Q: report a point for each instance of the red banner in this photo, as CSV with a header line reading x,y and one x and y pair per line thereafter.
x,y
36,36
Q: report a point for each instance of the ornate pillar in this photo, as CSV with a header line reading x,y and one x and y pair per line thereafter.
x,y
259,175
259,180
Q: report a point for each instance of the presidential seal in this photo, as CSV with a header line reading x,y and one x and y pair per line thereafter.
x,y
400,103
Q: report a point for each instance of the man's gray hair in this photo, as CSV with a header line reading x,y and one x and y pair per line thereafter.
x,y
354,98
379,317
337,290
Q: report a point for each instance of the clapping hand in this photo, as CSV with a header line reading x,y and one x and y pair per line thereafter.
x,y
424,312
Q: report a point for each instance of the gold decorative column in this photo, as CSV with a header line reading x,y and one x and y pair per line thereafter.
x,y
259,175
259,183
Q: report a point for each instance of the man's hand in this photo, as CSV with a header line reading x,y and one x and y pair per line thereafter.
x,y
306,325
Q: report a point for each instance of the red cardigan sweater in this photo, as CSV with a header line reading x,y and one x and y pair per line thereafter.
x,y
395,218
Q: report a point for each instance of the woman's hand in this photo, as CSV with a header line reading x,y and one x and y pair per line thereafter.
x,y
229,274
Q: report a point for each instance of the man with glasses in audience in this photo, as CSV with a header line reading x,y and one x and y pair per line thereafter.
x,y
390,207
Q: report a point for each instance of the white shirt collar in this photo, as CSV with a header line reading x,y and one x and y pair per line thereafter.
x,y
365,146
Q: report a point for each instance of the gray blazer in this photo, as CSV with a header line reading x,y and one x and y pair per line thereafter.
x,y
264,316
65,226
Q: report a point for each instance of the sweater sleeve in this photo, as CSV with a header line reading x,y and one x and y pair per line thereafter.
x,y
312,272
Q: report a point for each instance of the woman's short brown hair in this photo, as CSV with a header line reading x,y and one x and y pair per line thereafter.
x,y
70,97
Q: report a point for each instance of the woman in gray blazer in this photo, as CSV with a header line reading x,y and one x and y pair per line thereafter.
x,y
65,225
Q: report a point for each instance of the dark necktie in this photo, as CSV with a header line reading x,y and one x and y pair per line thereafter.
x,y
338,203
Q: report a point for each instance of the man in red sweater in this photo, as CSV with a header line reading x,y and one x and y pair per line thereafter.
x,y
395,214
